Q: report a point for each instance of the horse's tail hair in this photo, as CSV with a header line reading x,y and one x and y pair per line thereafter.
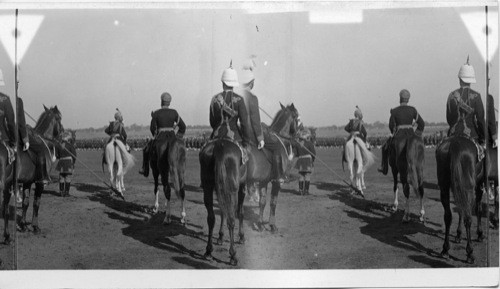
x,y
128,159
463,182
415,158
368,156
177,165
226,178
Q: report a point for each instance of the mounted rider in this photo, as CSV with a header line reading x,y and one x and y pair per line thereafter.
x,y
117,129
465,111
401,125
226,109
164,121
355,126
7,135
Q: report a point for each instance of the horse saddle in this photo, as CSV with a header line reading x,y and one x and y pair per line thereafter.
x,y
481,151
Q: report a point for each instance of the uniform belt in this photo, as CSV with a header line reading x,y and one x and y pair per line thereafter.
x,y
66,158
404,126
162,129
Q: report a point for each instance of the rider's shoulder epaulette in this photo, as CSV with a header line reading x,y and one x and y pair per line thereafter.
x,y
473,94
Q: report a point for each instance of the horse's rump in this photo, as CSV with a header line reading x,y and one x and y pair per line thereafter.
x,y
415,155
463,154
351,153
227,159
109,154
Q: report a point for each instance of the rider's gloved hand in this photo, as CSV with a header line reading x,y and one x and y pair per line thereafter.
x,y
261,144
127,147
26,146
495,143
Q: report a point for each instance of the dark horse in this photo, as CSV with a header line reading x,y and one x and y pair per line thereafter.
x,y
406,158
458,170
46,132
222,170
168,158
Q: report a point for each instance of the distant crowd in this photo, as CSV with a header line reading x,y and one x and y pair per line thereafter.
x,y
198,142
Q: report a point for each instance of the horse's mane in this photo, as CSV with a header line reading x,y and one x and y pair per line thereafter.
x,y
45,121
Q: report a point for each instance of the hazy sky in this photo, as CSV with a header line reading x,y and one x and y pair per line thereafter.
x,y
88,62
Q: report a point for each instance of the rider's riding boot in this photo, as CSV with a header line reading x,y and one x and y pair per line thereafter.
x,y
41,173
278,169
145,162
301,187
385,166
61,189
66,187
306,188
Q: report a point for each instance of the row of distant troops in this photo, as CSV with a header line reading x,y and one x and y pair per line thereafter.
x,y
199,142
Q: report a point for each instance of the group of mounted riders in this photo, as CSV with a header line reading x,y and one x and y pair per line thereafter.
x,y
34,144
464,113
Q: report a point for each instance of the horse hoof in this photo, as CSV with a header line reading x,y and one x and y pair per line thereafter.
x,y
155,210
36,230
7,240
242,240
208,256
394,209
422,220
458,239
233,261
167,221
274,229
219,241
445,255
470,260
183,222
480,237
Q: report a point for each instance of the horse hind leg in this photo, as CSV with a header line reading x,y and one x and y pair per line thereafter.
x,y
422,209
36,206
230,225
25,206
406,191
468,248
168,214
241,198
262,205
6,213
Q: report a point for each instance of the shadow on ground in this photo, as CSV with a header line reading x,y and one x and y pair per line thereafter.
x,y
386,227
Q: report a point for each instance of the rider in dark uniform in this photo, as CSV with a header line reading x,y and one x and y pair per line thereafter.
x,y
229,106
401,126
117,128
163,122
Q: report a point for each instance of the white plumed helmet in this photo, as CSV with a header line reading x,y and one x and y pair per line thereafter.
x,y
466,73
229,76
2,82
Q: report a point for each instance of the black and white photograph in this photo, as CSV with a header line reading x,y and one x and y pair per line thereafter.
x,y
290,144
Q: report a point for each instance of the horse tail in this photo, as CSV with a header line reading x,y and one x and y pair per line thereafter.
x,y
415,158
177,165
368,156
463,173
226,176
128,159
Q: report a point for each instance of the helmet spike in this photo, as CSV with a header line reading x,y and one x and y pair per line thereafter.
x,y
231,64
468,59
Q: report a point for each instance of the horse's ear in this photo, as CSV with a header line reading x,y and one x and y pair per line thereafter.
x,y
44,107
282,106
292,106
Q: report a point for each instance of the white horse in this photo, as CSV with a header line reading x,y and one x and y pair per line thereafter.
x,y
119,162
358,159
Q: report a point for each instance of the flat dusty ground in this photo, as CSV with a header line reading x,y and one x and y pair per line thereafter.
x,y
329,229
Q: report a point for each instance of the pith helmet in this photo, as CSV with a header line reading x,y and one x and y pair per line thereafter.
x,y
404,95
230,77
358,113
247,74
166,97
2,83
466,73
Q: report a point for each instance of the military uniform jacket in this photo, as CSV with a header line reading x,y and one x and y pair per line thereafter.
x,y
231,106
465,113
116,127
254,125
66,154
401,121
306,154
356,125
7,126
166,118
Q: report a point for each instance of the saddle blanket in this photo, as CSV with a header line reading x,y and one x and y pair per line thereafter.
x,y
244,151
